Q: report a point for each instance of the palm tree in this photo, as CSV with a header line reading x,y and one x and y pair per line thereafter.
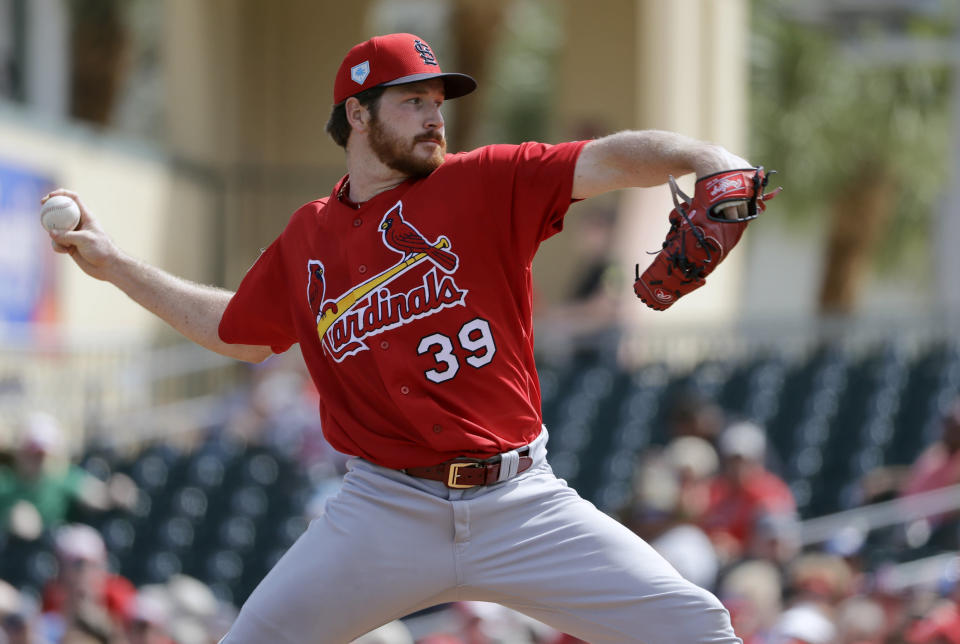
x,y
860,135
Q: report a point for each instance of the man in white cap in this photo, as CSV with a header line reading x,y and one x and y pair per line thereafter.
x,y
84,595
743,491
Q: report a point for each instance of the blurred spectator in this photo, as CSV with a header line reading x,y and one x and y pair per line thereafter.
x,y
939,464
883,588
803,624
9,607
85,597
861,620
487,623
941,624
751,591
776,538
817,583
394,632
653,508
849,543
671,487
694,461
37,493
688,549
821,578
743,492
590,311
197,616
694,414
880,484
151,617
17,618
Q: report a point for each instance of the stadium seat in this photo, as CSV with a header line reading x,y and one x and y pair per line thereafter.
x,y
935,374
119,534
150,472
223,566
250,501
160,566
238,533
176,533
205,471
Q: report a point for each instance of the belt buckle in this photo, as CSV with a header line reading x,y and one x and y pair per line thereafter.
x,y
454,474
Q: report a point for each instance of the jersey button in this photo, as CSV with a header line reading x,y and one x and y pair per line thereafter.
x,y
404,390
362,269
384,345
437,429
357,222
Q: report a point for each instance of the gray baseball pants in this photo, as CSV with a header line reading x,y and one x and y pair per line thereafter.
x,y
389,544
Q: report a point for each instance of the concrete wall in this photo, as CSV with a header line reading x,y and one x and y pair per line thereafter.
x,y
249,93
152,210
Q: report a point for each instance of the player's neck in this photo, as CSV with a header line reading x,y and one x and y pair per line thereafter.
x,y
369,176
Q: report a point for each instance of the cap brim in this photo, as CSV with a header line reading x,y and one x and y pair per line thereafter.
x,y
455,85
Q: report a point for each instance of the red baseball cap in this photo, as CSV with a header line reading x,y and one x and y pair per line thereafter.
x,y
394,59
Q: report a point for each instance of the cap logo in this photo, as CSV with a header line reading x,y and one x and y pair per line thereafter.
x,y
360,72
424,50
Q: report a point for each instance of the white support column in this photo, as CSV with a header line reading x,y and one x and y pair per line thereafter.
x,y
692,73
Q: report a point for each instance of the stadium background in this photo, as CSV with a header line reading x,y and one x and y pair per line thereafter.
x,y
193,130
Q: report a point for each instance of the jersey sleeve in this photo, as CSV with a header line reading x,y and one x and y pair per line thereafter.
x,y
539,181
259,312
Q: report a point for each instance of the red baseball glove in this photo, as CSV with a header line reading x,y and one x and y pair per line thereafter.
x,y
700,237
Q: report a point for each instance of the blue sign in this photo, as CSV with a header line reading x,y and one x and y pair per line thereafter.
x,y
27,293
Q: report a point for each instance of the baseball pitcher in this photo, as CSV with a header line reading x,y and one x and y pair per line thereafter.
x,y
408,289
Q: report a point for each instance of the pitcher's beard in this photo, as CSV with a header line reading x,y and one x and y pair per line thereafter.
x,y
400,155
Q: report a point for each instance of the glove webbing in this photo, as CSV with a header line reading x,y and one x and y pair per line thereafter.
x,y
679,259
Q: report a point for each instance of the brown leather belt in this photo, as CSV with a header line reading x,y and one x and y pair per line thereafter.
x,y
468,472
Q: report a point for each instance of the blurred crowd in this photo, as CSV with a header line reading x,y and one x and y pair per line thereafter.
x,y
712,503
83,600
86,603
711,500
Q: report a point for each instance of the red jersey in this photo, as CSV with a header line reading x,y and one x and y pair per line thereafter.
x,y
735,510
414,310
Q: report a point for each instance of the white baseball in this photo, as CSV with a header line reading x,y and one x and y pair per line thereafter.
x,y
60,213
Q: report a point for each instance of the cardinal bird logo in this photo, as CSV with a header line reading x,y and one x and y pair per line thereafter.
x,y
402,237
316,289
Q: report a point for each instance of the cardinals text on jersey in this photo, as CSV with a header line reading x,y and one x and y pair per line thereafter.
x,y
371,307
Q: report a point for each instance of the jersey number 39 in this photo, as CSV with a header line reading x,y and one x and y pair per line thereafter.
x,y
474,337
